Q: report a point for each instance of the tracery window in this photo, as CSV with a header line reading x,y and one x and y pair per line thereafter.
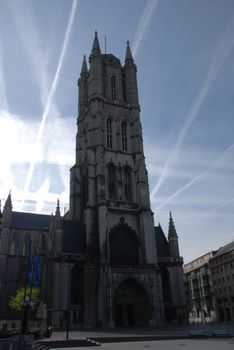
x,y
111,181
15,245
124,136
127,183
109,133
124,248
113,87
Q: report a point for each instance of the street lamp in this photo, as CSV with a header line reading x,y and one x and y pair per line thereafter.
x,y
68,297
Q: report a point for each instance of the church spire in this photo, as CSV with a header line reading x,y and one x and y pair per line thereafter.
x,y
57,213
7,210
130,70
8,203
57,217
84,69
171,228
128,56
173,239
96,46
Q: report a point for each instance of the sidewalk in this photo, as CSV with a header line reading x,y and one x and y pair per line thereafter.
x,y
143,333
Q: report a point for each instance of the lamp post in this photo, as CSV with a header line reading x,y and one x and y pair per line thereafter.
x,y
68,297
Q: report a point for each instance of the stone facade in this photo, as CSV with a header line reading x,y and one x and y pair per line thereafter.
x,y
199,290
104,262
222,272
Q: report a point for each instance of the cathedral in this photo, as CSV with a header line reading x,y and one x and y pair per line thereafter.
x,y
103,263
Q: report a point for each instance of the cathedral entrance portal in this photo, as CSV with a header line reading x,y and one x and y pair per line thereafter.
x,y
130,305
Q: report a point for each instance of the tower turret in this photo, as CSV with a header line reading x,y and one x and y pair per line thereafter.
x,y
95,78
56,233
83,87
173,239
57,216
130,70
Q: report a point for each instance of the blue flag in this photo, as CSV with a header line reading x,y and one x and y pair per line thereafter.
x,y
30,266
36,271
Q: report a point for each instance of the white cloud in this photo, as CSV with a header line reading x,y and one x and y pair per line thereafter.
x,y
17,138
3,97
46,96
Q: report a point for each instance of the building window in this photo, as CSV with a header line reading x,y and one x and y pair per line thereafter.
x,y
113,88
109,132
124,136
124,248
15,245
111,181
127,183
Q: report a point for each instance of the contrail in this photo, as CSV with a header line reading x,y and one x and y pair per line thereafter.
x,y
196,178
220,55
38,140
218,207
143,25
31,41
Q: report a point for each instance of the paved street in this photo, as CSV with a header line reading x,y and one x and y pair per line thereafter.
x,y
158,331
168,337
217,344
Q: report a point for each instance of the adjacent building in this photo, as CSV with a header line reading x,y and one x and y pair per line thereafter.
x,y
199,291
209,286
103,263
222,272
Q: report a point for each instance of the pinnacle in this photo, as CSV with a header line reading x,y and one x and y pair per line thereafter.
x,y
128,55
84,68
171,229
8,202
96,46
57,213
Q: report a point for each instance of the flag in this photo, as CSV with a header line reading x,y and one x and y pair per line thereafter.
x,y
30,272
36,271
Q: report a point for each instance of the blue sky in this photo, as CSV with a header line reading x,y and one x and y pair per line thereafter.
x,y
184,50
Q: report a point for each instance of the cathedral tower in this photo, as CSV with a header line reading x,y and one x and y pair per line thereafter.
x,y
109,192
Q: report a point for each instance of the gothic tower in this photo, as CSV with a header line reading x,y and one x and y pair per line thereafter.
x,y
109,192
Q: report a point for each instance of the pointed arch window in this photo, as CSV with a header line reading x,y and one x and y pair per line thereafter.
x,y
113,87
127,186
124,136
109,133
124,247
15,245
111,181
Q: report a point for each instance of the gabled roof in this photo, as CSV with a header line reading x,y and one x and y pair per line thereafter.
x,y
74,239
224,250
30,221
161,242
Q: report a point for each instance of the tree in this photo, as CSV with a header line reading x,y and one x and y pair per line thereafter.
x,y
16,302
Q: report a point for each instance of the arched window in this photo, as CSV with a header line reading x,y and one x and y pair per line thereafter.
x,y
15,244
111,181
124,248
124,136
127,187
113,87
109,133
76,290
